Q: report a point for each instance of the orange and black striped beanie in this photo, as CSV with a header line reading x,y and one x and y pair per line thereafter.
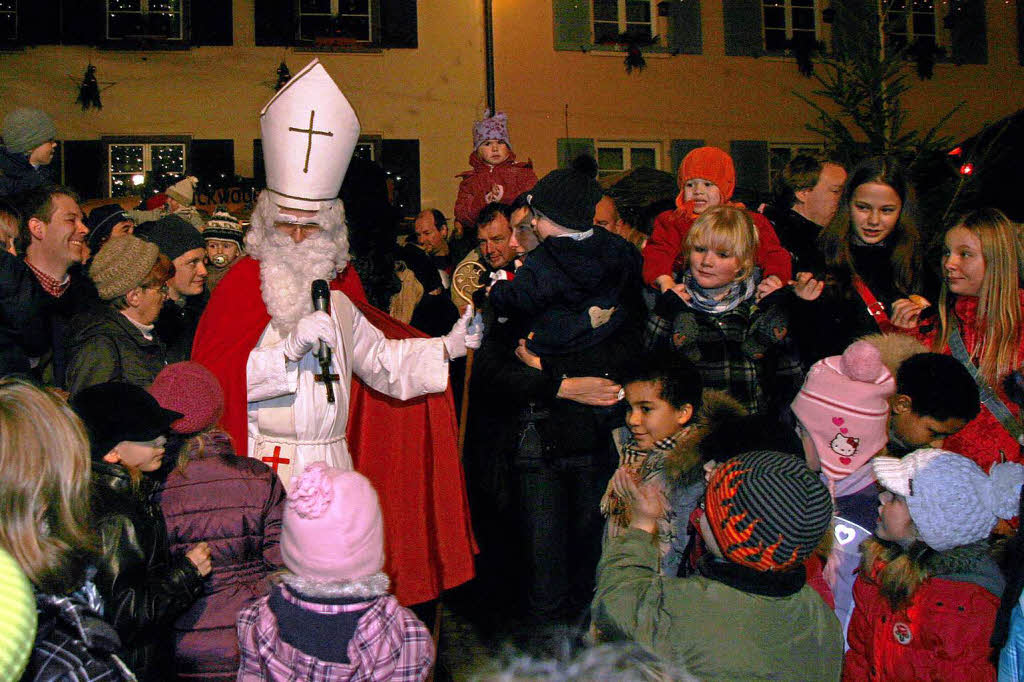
x,y
767,510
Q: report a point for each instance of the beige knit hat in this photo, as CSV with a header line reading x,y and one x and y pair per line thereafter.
x,y
121,265
182,190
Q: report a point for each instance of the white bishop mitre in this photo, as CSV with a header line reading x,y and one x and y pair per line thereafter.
x,y
309,133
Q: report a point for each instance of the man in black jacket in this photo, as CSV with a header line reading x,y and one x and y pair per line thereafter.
x,y
807,197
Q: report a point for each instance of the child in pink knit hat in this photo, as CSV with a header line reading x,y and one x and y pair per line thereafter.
x,y
331,617
496,176
842,418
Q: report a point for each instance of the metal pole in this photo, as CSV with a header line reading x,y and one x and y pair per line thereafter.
x,y
489,53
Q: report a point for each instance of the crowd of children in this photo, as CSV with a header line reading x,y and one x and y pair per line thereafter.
x,y
811,471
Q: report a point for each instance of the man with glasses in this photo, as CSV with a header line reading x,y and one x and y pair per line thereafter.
x,y
117,341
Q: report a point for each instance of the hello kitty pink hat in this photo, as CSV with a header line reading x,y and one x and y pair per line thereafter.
x,y
844,407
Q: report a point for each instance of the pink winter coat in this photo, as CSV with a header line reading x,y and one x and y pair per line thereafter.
x,y
513,178
235,504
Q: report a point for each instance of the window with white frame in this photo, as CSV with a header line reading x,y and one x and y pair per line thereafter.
x,y
8,20
788,20
780,153
908,21
625,155
148,19
615,17
131,164
349,20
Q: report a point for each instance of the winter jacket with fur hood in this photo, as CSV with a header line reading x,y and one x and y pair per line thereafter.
x,y
943,634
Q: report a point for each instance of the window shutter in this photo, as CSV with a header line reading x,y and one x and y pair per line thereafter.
x,y
1020,32
854,28
572,24
84,167
744,28
208,159
211,22
751,160
571,147
275,22
684,27
401,159
679,150
82,22
970,45
35,22
398,25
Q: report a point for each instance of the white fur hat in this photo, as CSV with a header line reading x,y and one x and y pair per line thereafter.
x,y
309,133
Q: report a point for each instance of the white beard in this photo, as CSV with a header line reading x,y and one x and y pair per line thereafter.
x,y
287,271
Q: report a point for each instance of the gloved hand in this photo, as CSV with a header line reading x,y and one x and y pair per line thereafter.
x,y
460,337
475,332
308,333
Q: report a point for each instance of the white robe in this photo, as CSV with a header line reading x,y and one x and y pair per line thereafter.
x,y
289,416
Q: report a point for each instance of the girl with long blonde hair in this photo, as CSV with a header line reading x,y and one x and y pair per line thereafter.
x,y
45,526
981,320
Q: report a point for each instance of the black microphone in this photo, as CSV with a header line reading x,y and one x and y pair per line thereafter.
x,y
322,302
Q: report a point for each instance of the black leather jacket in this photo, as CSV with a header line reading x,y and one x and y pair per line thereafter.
x,y
144,589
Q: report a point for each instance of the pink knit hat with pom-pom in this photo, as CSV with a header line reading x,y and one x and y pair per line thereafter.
x,y
192,390
844,407
333,529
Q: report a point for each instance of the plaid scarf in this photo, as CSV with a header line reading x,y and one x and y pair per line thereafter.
x,y
645,465
720,299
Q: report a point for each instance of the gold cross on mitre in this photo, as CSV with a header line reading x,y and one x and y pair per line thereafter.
x,y
311,132
312,106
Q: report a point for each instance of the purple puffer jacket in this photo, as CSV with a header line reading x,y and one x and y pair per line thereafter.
x,y
235,504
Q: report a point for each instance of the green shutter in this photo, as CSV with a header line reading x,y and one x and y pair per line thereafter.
x,y
744,34
684,35
970,45
572,24
854,28
679,150
751,160
571,147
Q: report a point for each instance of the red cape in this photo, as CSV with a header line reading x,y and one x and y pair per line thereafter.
x,y
407,449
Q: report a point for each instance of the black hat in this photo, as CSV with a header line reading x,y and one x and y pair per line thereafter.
x,y
101,223
567,197
173,234
115,412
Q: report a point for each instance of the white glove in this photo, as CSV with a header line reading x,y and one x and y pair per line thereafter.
x,y
458,339
499,276
307,335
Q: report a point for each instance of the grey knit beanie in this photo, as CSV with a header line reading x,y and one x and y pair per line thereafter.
x,y
25,129
121,265
951,500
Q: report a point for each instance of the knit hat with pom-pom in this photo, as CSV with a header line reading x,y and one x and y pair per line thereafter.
x,y
843,406
183,191
951,500
333,529
192,390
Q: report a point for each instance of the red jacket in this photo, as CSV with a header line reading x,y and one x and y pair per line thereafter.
x,y
943,635
984,439
514,179
664,252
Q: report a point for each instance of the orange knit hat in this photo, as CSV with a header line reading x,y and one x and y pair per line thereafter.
x,y
709,163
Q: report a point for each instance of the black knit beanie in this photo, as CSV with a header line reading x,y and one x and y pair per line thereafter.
x,y
567,197
173,234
